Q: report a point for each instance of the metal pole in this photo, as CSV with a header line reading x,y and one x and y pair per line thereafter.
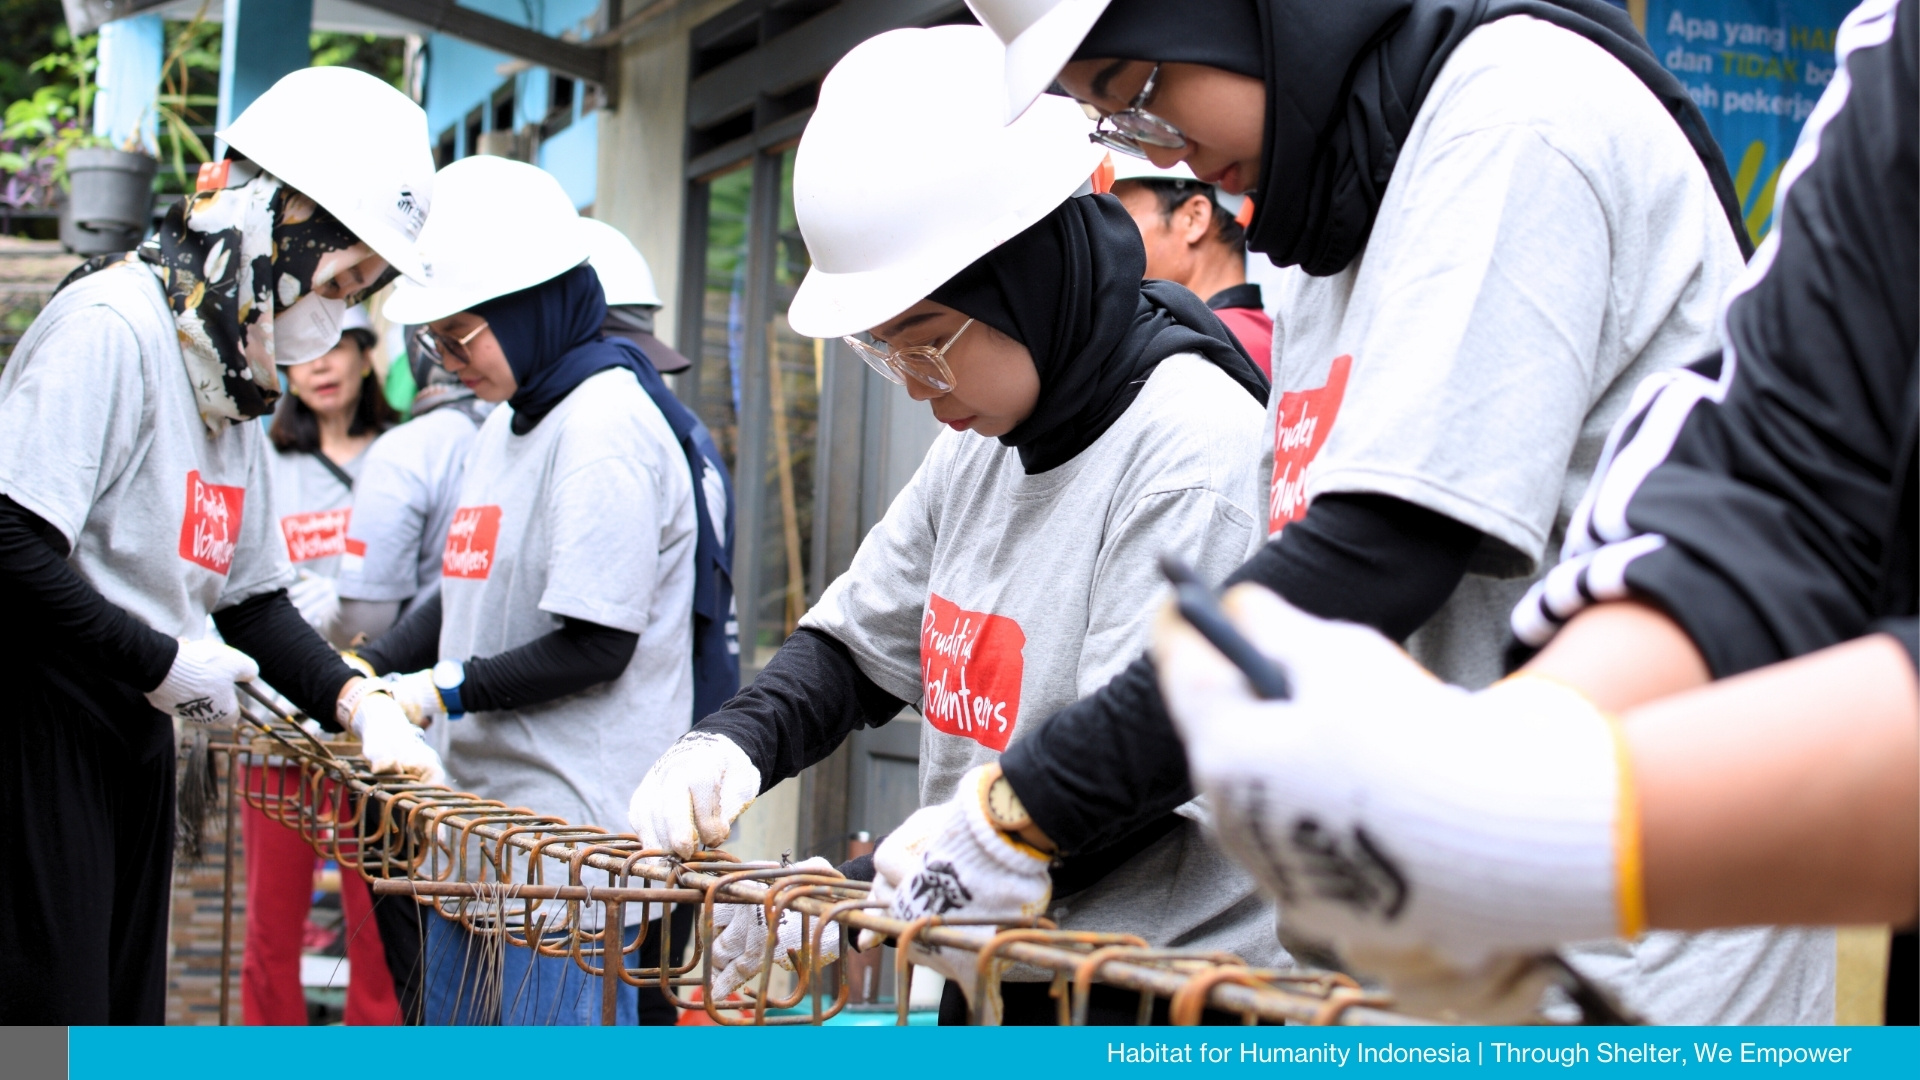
x,y
226,896
612,958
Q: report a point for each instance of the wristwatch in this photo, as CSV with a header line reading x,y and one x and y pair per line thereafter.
x,y
1004,809
448,676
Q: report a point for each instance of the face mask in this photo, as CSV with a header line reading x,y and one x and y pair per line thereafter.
x,y
307,330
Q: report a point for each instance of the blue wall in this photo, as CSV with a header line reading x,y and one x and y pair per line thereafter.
x,y
462,77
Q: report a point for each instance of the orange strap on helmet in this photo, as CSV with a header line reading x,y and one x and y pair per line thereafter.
x,y
1102,178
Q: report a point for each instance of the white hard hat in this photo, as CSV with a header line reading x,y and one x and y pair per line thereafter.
x,y
623,271
498,226
1128,167
1040,36
907,173
351,143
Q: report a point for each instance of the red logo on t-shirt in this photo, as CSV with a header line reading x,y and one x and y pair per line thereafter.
x,y
211,527
316,535
1300,429
470,540
972,665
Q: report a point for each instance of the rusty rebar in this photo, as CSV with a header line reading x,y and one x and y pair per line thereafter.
x,y
474,859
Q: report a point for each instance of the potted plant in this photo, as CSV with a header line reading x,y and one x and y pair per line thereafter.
x,y
108,189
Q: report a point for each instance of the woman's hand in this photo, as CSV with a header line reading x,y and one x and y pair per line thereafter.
x,y
199,685
419,698
692,794
391,743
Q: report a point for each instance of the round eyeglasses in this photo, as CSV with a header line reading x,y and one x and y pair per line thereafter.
x,y
436,348
923,364
1133,128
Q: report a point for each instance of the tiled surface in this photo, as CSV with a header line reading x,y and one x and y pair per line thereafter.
x,y
193,968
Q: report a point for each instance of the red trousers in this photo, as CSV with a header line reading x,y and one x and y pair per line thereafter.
x,y
280,868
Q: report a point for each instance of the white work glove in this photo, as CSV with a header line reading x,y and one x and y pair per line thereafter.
x,y
317,599
949,860
740,940
391,743
199,685
692,794
1437,837
417,696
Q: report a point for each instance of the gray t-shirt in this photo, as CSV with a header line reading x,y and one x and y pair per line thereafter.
x,y
404,498
100,435
1549,239
588,516
313,508
995,599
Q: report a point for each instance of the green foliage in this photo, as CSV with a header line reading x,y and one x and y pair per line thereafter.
x,y
189,96
384,58
58,117
52,96
26,34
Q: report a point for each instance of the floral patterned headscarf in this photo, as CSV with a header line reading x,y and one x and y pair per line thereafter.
x,y
243,248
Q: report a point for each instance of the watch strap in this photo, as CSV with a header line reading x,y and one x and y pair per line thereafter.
x,y
349,702
450,702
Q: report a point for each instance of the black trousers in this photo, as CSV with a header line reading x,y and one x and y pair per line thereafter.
x,y
655,1009
83,903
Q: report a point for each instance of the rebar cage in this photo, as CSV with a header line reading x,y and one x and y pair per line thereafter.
x,y
517,878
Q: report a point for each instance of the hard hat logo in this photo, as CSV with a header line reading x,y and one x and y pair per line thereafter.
x,y
469,252
412,214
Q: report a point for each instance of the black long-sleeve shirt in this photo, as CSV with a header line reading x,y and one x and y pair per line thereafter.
x,y
575,656
1101,777
1099,773
102,655
1779,514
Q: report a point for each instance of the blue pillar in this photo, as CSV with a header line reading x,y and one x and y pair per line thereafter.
x,y
260,41
131,51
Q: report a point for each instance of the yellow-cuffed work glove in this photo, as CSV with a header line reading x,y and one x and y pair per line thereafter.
x,y
417,696
949,860
1412,824
391,743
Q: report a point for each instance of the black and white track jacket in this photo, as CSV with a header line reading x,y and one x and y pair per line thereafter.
x,y
1764,498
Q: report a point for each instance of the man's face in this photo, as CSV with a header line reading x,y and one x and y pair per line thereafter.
x,y
1171,239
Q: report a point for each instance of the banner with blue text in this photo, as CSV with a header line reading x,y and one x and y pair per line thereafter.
x,y
1755,68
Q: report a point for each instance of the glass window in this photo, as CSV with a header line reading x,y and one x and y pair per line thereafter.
x,y
784,547
756,384
716,373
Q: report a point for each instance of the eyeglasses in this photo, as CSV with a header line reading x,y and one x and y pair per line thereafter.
x,y
1134,128
923,364
437,348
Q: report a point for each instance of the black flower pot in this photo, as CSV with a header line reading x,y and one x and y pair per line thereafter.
x,y
109,200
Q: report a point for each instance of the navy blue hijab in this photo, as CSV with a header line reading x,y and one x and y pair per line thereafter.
x,y
551,337
550,334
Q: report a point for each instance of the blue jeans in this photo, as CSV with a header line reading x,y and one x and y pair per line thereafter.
x,y
473,979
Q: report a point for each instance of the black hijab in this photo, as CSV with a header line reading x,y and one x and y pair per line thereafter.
x,y
550,334
1345,79
1069,288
